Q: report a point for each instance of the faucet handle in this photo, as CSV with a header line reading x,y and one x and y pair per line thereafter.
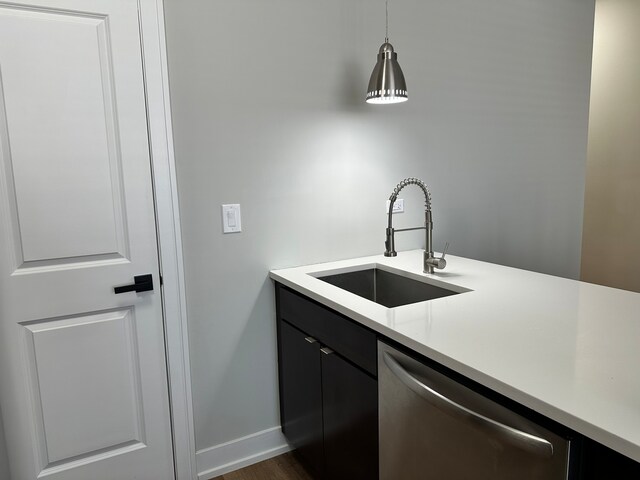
x,y
440,262
444,251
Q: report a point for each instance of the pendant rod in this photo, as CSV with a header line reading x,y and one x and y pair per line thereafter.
x,y
386,9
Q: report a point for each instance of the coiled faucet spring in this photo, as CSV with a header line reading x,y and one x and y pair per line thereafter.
x,y
410,181
430,261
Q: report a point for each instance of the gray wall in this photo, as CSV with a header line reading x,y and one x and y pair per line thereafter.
x,y
268,112
4,462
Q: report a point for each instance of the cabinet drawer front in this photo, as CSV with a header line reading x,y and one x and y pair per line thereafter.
x,y
349,339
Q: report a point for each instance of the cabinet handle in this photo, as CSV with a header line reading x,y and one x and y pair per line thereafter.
x,y
310,339
526,441
326,350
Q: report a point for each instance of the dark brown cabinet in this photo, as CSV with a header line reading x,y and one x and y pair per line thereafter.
x,y
328,401
350,419
602,463
301,394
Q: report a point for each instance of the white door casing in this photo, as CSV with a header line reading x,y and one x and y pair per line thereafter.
x,y
83,382
169,235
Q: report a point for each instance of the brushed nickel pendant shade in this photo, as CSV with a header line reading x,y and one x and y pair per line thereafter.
x,y
387,84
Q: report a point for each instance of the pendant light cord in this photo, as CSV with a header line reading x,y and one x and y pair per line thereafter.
x,y
386,9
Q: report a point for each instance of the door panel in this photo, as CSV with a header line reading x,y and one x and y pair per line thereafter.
x,y
81,137
88,406
83,382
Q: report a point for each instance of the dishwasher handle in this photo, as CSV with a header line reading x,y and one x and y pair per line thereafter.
x,y
526,441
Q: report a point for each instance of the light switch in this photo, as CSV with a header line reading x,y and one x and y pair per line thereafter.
x,y
231,221
398,206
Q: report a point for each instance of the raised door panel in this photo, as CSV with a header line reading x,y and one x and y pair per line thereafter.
x,y
85,372
75,189
65,189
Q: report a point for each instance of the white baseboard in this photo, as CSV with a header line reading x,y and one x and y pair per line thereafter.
x,y
227,457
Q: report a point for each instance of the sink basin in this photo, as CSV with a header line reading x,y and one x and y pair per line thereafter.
x,y
386,288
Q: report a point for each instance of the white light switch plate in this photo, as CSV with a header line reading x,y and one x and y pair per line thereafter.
x,y
231,220
398,206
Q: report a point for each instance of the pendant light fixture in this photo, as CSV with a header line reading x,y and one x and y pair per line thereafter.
x,y
387,83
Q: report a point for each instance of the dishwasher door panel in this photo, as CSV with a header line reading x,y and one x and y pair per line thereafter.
x,y
432,427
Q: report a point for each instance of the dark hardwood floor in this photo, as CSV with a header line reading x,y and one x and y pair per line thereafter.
x,y
282,467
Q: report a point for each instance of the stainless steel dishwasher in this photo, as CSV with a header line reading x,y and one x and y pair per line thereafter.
x,y
432,427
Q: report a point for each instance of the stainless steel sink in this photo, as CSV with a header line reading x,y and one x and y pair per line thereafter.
x,y
386,288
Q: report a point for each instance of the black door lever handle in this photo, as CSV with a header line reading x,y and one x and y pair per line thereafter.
x,y
142,283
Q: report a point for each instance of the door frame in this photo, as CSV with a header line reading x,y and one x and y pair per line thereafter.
x,y
164,180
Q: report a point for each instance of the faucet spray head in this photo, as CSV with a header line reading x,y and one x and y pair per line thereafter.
x,y
389,244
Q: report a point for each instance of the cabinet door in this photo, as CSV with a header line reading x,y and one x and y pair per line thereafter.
x,y
301,395
350,399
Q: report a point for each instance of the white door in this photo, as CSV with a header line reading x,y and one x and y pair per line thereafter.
x,y
83,382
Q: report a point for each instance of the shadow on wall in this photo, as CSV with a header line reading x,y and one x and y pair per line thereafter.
x,y
352,91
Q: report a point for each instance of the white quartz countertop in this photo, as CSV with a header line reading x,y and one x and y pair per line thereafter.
x,y
569,350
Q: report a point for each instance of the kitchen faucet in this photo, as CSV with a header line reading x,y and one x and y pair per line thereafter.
x,y
430,261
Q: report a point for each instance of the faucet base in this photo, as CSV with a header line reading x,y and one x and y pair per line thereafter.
x,y
390,254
